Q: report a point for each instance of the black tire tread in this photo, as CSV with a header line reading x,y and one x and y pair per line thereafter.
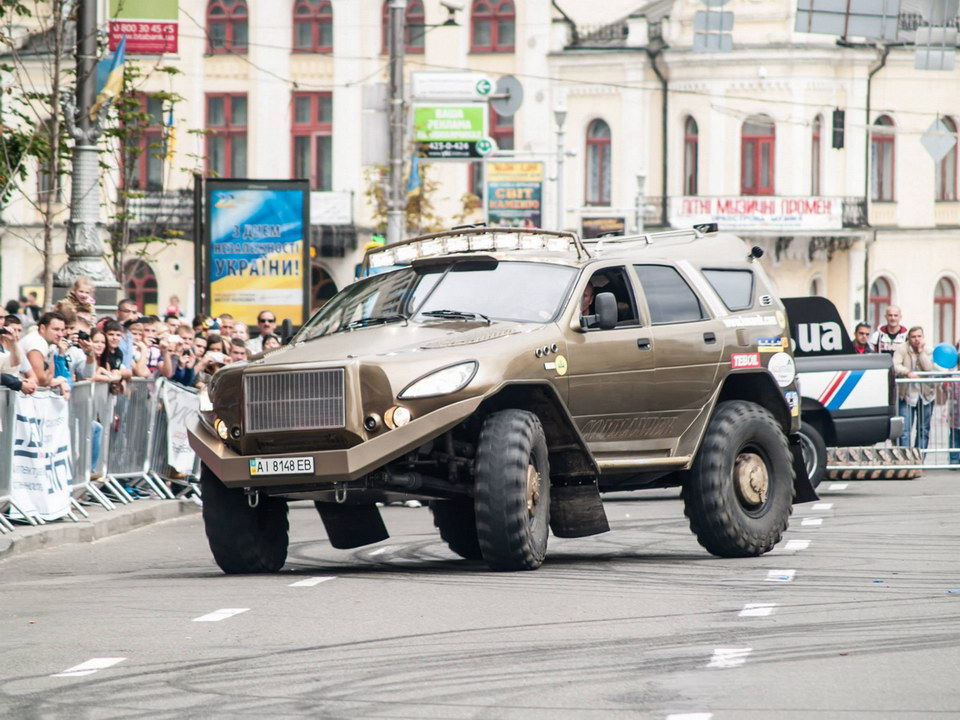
x,y
712,508
506,441
457,522
243,539
821,448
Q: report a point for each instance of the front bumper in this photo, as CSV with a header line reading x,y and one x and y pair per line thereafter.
x,y
896,427
331,466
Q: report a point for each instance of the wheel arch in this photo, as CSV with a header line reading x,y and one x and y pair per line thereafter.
x,y
759,388
819,417
569,454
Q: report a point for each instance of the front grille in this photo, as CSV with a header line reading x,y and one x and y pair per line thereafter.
x,y
303,400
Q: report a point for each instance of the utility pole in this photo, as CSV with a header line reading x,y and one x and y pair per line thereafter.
x,y
560,116
84,242
396,205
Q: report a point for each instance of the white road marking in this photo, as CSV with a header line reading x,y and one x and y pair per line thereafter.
x,y
310,582
812,522
796,545
781,575
757,609
690,716
222,614
380,551
837,486
89,667
729,657
822,506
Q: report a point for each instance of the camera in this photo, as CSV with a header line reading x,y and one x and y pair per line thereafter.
x,y
83,335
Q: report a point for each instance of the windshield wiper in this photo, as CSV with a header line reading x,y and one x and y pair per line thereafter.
x,y
373,320
456,315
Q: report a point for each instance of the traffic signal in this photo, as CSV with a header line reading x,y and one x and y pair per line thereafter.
x,y
837,143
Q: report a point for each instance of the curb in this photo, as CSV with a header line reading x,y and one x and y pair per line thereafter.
x,y
101,524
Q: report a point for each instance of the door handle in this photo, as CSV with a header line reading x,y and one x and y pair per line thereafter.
x,y
709,338
643,343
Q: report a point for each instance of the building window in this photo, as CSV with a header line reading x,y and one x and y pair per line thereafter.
x,y
881,296
598,163
815,156
313,139
144,147
227,136
946,182
140,285
691,140
48,174
882,166
313,26
227,26
944,312
758,141
501,130
816,288
492,26
413,31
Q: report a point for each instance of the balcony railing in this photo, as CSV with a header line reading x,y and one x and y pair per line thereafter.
x,y
610,35
162,214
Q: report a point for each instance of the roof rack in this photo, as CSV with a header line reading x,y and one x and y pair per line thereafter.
x,y
469,239
685,235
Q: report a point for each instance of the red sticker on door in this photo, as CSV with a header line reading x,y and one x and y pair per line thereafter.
x,y
738,361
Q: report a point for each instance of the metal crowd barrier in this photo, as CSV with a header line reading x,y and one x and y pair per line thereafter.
x,y
132,449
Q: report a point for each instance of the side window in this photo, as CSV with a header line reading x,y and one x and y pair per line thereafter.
x,y
669,297
612,280
735,287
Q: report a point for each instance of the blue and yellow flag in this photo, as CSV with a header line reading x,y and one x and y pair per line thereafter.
x,y
109,77
413,180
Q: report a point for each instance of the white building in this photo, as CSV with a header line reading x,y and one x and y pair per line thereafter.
x,y
276,90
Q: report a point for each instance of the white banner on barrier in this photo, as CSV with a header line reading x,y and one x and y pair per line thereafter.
x,y
180,405
40,467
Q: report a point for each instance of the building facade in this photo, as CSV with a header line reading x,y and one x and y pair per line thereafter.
x,y
654,133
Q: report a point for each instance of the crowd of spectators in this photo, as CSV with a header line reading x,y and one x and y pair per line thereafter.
x,y
71,342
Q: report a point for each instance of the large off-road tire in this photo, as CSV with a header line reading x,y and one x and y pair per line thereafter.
x,y
457,523
243,539
739,494
814,453
512,491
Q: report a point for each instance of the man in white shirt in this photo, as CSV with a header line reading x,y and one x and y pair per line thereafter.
x,y
37,348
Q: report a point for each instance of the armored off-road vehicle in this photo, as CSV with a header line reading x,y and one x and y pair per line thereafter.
x,y
509,377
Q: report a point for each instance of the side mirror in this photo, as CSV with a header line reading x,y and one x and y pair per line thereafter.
x,y
286,331
606,306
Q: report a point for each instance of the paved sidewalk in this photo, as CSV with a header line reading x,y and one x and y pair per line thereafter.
x,y
101,523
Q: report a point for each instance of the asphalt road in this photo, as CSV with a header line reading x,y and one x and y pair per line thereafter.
x,y
856,614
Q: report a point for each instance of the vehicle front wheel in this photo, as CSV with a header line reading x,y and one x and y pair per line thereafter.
x,y
512,500
739,494
243,539
814,453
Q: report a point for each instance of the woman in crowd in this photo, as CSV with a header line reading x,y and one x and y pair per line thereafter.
x,y
270,342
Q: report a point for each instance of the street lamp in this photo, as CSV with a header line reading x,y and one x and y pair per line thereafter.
x,y
559,116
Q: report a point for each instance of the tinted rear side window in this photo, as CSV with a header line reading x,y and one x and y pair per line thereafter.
x,y
735,287
670,298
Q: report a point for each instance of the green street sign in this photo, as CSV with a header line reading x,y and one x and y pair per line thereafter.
x,y
484,87
450,123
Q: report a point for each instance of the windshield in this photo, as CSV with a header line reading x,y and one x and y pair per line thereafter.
x,y
518,291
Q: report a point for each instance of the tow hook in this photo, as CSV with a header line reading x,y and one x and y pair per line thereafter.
x,y
340,493
253,497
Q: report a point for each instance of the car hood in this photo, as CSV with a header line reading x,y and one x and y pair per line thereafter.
x,y
391,339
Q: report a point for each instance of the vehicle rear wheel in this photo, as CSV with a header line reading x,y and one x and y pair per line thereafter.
x,y
243,539
457,523
512,491
814,453
739,494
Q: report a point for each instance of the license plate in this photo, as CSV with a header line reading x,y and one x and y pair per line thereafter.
x,y
281,466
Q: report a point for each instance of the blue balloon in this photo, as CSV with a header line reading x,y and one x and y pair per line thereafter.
x,y
945,355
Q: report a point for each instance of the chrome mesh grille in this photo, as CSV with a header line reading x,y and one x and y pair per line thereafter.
x,y
306,400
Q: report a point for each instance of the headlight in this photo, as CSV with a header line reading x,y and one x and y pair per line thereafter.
x,y
205,403
441,382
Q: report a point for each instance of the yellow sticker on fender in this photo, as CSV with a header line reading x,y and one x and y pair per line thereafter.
x,y
561,364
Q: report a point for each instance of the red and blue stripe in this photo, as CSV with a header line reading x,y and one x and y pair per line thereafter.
x,y
839,388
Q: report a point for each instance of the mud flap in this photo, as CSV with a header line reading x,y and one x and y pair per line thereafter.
x,y
350,526
576,511
803,491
